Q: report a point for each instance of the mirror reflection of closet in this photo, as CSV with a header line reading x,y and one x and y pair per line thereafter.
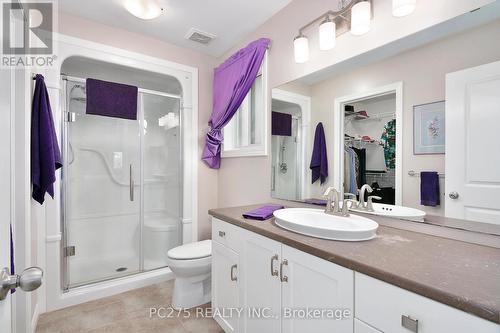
x,y
370,146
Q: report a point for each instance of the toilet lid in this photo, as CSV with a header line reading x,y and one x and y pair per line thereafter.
x,y
194,250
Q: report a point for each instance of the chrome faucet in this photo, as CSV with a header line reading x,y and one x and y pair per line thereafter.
x,y
368,207
361,203
332,201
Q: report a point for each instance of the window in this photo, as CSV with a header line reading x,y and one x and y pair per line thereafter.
x,y
245,134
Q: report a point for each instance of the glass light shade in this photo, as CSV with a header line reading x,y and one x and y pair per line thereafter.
x,y
403,7
361,15
327,35
301,49
144,9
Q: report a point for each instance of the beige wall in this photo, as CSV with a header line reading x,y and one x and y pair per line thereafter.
x,y
246,180
96,32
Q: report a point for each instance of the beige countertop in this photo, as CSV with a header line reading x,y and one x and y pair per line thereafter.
x,y
460,274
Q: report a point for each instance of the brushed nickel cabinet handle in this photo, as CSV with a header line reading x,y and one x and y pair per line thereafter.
x,y
222,234
283,278
273,271
409,323
233,276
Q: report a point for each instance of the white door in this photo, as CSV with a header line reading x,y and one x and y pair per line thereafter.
x,y
225,286
260,284
472,180
316,284
5,189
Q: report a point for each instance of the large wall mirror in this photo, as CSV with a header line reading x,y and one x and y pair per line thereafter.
x,y
414,130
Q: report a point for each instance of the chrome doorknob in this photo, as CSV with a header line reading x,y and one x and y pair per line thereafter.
x,y
29,280
453,195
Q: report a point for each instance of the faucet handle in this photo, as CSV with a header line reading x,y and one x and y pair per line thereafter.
x,y
350,195
369,204
328,190
345,206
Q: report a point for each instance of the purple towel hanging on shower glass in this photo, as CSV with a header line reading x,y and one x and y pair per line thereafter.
x,y
281,124
111,99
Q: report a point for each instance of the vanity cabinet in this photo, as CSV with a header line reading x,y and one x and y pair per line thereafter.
x,y
277,285
268,280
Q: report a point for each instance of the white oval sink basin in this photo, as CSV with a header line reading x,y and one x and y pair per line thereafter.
x,y
316,223
401,212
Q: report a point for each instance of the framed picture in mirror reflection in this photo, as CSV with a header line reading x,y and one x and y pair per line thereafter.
x,y
429,128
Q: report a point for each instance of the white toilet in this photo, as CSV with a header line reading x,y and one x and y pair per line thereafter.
x,y
191,264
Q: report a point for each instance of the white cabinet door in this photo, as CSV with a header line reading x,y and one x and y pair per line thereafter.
x,y
314,283
472,180
225,286
361,327
260,284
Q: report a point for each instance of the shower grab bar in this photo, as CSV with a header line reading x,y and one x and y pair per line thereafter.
x,y
131,184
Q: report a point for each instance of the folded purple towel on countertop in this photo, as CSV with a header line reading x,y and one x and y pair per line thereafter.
x,y
262,213
313,201
429,188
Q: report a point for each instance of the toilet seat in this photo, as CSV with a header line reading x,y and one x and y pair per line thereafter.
x,y
196,250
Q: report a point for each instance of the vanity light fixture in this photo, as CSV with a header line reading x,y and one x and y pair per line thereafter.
x,y
301,49
351,15
144,9
361,16
402,8
327,34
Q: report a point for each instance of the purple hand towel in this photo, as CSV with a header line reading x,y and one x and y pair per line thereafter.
x,y
262,213
318,202
45,154
319,159
111,99
429,188
281,124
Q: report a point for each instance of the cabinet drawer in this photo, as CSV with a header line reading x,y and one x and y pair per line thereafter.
x,y
226,234
360,327
391,309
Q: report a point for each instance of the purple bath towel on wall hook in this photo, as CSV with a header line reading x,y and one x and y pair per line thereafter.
x,y
45,154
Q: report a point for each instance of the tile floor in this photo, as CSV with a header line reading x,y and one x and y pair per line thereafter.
x,y
128,312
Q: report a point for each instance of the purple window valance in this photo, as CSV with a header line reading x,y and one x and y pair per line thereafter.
x,y
233,80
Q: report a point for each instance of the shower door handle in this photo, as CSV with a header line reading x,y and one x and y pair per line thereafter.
x,y
131,184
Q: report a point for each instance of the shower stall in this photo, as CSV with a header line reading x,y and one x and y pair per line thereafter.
x,y
122,180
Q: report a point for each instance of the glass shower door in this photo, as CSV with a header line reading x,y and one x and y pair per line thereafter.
x,y
162,177
102,190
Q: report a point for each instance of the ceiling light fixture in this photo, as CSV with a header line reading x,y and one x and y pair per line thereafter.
x,y
327,34
402,8
144,9
351,15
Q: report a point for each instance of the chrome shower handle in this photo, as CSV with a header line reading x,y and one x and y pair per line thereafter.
x,y
131,186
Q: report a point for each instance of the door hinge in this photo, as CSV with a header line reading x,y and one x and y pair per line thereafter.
x,y
69,251
70,117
